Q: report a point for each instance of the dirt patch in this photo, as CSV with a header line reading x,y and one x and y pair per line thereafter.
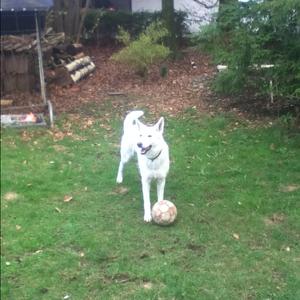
x,y
199,249
120,190
124,278
275,219
289,188
60,148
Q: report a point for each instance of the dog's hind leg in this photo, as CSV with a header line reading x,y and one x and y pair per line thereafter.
x,y
125,157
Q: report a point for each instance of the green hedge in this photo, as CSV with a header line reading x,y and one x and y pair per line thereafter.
x,y
102,26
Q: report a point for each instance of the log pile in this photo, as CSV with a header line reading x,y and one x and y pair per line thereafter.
x,y
19,62
26,43
69,65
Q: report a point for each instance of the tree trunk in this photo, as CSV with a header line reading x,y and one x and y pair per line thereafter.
x,y
169,19
58,16
87,4
71,20
67,16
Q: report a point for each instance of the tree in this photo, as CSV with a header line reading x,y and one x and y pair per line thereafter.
x,y
201,12
67,17
168,17
207,4
87,4
250,34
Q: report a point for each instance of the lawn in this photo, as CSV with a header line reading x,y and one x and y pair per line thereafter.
x,y
69,232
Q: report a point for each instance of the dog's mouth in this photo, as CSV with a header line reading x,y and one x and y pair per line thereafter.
x,y
145,150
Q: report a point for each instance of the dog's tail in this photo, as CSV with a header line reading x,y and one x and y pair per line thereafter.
x,y
131,118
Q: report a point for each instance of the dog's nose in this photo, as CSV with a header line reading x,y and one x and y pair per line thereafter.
x,y
140,145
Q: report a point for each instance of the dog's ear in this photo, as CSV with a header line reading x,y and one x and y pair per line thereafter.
x,y
160,125
138,124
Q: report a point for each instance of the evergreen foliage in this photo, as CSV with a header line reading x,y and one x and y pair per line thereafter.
x,y
249,34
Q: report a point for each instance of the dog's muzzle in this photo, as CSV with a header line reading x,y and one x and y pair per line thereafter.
x,y
143,150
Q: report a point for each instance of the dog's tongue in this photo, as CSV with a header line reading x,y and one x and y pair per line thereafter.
x,y
145,150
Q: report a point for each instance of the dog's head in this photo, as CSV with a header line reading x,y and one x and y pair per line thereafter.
x,y
149,138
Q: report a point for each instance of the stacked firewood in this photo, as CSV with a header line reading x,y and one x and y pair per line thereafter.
x,y
27,43
68,64
64,63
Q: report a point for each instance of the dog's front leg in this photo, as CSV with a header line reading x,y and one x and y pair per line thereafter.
x,y
160,188
146,182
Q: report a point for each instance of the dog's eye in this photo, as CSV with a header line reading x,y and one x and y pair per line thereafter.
x,y
149,135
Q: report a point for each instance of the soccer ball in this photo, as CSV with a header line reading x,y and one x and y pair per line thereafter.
x,y
164,212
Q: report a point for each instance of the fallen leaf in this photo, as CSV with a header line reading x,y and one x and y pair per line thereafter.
x,y
57,209
68,198
10,196
18,227
147,285
122,278
236,236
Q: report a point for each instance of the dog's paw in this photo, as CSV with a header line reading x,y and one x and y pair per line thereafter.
x,y
119,179
147,218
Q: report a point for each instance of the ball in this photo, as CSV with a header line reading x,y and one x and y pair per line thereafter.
x,y
164,212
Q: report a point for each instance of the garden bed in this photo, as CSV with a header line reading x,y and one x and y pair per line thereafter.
x,y
188,85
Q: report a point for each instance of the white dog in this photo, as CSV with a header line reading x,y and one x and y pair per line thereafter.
x,y
152,153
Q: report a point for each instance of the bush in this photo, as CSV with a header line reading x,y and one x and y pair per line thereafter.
x,y
246,34
102,26
145,50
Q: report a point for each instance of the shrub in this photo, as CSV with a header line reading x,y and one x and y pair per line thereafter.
x,y
102,26
256,32
145,50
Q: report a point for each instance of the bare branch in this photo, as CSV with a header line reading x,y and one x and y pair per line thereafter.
x,y
207,6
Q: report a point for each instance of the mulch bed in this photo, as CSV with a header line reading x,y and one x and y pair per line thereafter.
x,y
187,85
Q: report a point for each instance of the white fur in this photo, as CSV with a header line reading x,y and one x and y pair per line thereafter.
x,y
152,153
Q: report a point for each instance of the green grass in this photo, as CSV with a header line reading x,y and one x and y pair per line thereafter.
x,y
236,187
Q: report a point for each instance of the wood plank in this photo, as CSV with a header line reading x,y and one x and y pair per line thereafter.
x,y
6,102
